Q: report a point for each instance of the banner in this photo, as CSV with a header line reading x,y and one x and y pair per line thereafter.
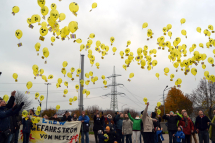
x,y
49,131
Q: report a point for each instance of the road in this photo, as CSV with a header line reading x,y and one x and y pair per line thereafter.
x,y
166,138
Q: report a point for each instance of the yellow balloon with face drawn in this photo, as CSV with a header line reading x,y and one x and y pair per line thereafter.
x,y
41,3
52,38
131,75
145,99
62,16
29,84
15,9
24,113
94,5
158,104
145,25
53,6
183,20
54,14
43,31
37,94
41,97
44,10
73,7
57,107
18,34
198,29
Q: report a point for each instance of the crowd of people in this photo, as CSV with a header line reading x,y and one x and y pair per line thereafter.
x,y
119,129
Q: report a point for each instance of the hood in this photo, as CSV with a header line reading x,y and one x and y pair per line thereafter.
x,y
153,114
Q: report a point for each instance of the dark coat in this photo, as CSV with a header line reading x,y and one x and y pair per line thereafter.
x,y
5,119
27,125
201,123
112,137
118,122
109,123
188,128
98,123
69,118
101,138
172,122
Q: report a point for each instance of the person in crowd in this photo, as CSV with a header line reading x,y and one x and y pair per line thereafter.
x,y
31,112
136,129
67,117
202,127
212,125
27,125
6,114
156,124
159,136
101,136
17,120
188,127
45,117
127,126
148,126
85,127
212,129
172,120
55,118
74,118
119,120
114,119
110,123
98,124
179,135
111,135
142,127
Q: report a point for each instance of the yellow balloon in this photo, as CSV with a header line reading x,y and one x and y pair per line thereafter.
x,y
5,97
87,93
210,60
41,3
183,20
43,31
184,32
41,71
44,10
62,16
131,75
64,64
37,94
18,34
53,6
15,9
145,99
41,97
145,25
166,70
112,39
24,113
73,26
15,75
29,84
94,5
52,38
50,76
75,98
59,80
159,111
29,21
157,75
91,73
73,7
172,76
105,82
54,14
170,34
57,107
76,86
198,29
158,104
128,43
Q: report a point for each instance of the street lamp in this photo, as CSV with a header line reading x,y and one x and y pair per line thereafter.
x,y
122,107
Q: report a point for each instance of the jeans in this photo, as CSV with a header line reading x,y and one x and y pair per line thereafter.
x,y
155,138
87,137
16,136
203,136
171,136
119,136
148,137
3,138
142,133
136,136
9,138
26,137
128,138
213,141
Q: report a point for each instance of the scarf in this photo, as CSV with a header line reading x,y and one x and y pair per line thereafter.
x,y
210,129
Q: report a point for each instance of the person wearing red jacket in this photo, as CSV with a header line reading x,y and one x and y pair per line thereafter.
x,y
188,127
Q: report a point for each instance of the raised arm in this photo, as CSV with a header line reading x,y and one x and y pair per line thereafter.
x,y
129,115
145,113
11,100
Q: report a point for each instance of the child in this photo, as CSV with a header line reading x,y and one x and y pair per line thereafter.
x,y
27,125
179,135
101,136
111,135
159,135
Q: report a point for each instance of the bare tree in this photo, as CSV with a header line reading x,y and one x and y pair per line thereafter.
x,y
21,97
203,96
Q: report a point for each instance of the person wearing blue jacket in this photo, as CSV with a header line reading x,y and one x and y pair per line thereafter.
x,y
101,136
159,136
119,120
85,127
5,115
179,135
27,125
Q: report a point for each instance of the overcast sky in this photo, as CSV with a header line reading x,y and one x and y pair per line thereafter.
x,y
122,19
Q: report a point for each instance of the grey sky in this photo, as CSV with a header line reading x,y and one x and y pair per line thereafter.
x,y
122,19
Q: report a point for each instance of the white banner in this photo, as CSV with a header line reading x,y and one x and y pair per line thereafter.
x,y
47,131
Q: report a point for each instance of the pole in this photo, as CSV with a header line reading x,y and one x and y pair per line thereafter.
x,y
81,106
47,93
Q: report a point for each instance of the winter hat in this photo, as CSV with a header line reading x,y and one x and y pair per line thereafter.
x,y
142,112
107,128
153,114
171,112
109,115
181,128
